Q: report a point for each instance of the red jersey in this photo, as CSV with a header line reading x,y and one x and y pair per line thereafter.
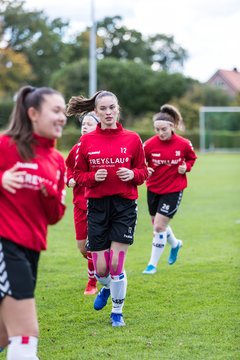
x,y
110,149
165,157
25,215
78,191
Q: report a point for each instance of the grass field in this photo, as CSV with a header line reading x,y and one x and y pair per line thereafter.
x,y
186,311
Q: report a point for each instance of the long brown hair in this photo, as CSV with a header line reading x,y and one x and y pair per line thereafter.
x,y
80,105
20,126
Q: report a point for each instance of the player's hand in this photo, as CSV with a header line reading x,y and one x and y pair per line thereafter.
x,y
101,175
125,174
150,171
71,183
13,179
182,168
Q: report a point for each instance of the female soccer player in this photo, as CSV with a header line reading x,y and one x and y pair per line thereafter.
x,y
111,164
88,124
32,197
169,157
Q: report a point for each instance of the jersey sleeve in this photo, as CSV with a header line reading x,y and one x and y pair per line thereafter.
x,y
139,164
70,162
2,160
82,175
190,156
54,202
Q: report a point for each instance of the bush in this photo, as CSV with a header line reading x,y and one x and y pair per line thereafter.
x,y
70,137
6,106
223,140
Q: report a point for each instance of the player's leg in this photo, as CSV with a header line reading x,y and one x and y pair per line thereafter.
x,y
158,207
175,243
20,319
166,208
91,287
122,235
98,216
18,311
171,238
118,283
158,243
101,266
80,223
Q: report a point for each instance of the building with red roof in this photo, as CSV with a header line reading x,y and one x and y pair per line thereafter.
x,y
228,80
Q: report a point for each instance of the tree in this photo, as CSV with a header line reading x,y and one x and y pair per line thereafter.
x,y
165,54
199,95
138,88
32,34
119,41
159,51
14,69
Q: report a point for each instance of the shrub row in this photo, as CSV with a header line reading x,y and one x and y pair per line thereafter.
x,y
216,139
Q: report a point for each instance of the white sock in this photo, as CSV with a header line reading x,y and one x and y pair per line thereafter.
x,y
104,280
171,239
118,292
22,348
158,245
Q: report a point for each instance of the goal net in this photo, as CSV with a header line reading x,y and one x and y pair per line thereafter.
x,y
219,128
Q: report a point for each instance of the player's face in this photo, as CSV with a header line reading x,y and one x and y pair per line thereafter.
x,y
163,129
107,109
88,125
50,119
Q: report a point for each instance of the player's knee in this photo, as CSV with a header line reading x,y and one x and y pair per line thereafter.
x,y
159,228
116,263
102,271
101,267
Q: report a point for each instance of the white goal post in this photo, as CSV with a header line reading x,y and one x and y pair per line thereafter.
x,y
211,109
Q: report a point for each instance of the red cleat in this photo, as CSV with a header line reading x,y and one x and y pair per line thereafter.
x,y
90,290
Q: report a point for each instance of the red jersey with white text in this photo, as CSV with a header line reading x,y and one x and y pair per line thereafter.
x,y
110,149
25,215
78,191
165,157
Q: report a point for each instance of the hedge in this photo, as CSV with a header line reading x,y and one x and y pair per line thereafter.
x,y
220,139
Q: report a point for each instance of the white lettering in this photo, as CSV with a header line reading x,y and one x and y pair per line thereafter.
x,y
166,162
103,161
27,165
94,152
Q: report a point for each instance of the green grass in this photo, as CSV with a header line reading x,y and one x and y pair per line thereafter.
x,y
186,311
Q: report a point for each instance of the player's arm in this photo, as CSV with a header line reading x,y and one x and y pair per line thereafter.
x,y
139,164
53,197
190,157
82,175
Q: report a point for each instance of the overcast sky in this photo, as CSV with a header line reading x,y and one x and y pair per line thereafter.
x,y
207,29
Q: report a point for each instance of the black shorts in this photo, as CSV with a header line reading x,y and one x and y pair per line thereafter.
x,y
165,204
18,270
111,218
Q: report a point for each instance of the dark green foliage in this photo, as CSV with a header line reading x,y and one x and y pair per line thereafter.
x,y
6,106
138,88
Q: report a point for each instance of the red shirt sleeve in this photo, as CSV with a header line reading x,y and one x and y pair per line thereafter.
x,y
54,202
190,156
139,165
